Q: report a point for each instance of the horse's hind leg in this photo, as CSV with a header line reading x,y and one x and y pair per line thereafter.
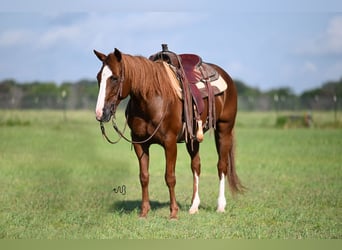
x,y
225,150
142,152
196,170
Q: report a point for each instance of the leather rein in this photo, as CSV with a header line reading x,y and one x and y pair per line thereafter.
x,y
118,131
121,133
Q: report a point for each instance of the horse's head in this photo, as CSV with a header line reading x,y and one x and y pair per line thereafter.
x,y
110,80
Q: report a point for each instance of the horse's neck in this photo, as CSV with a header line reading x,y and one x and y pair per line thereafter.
x,y
135,67
128,76
138,70
146,79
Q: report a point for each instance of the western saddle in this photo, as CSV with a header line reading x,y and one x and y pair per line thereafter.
x,y
189,70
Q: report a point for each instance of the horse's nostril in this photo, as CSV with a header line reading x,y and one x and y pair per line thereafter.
x,y
98,114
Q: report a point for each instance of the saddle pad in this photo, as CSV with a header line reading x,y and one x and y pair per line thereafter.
x,y
218,85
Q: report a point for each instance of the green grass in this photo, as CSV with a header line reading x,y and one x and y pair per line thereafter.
x,y
57,180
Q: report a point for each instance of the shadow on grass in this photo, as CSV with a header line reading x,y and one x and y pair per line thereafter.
x,y
128,207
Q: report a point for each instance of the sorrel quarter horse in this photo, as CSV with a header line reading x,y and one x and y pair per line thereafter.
x,y
154,115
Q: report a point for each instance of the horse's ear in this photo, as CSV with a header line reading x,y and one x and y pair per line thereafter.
x,y
100,56
117,53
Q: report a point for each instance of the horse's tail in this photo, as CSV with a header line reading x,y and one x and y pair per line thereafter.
x,y
234,182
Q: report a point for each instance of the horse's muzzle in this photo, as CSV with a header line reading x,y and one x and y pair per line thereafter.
x,y
104,116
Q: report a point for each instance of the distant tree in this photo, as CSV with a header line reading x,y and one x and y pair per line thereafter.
x,y
6,85
10,94
245,90
324,97
283,91
37,95
84,94
283,98
329,88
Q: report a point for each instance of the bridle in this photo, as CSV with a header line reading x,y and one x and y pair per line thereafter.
x,y
113,107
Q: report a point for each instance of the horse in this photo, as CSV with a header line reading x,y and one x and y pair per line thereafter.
x,y
154,116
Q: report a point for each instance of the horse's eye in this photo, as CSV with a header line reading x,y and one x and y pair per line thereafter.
x,y
114,78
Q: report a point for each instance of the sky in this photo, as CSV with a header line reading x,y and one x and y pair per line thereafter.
x,y
266,44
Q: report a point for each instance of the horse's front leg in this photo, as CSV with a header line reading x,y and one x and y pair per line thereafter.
x,y
170,176
142,152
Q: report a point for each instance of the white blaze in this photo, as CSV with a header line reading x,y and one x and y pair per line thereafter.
x,y
106,73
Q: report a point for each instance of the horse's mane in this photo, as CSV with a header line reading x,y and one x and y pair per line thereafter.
x,y
148,78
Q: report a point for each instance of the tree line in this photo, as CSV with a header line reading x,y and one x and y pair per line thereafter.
x,y
326,97
83,94
48,95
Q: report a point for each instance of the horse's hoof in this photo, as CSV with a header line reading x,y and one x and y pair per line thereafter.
x,y
193,210
220,210
173,215
142,215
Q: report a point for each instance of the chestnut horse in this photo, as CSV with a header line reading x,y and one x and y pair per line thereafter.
x,y
154,115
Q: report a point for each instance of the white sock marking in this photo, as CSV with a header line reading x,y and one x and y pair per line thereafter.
x,y
196,201
221,201
106,73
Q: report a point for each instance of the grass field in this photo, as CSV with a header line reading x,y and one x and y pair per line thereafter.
x,y
57,179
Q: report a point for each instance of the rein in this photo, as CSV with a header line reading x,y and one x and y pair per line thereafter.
x,y
121,133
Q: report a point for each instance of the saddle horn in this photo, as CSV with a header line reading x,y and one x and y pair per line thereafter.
x,y
164,47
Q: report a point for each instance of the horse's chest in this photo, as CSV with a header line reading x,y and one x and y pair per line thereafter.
x,y
140,127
